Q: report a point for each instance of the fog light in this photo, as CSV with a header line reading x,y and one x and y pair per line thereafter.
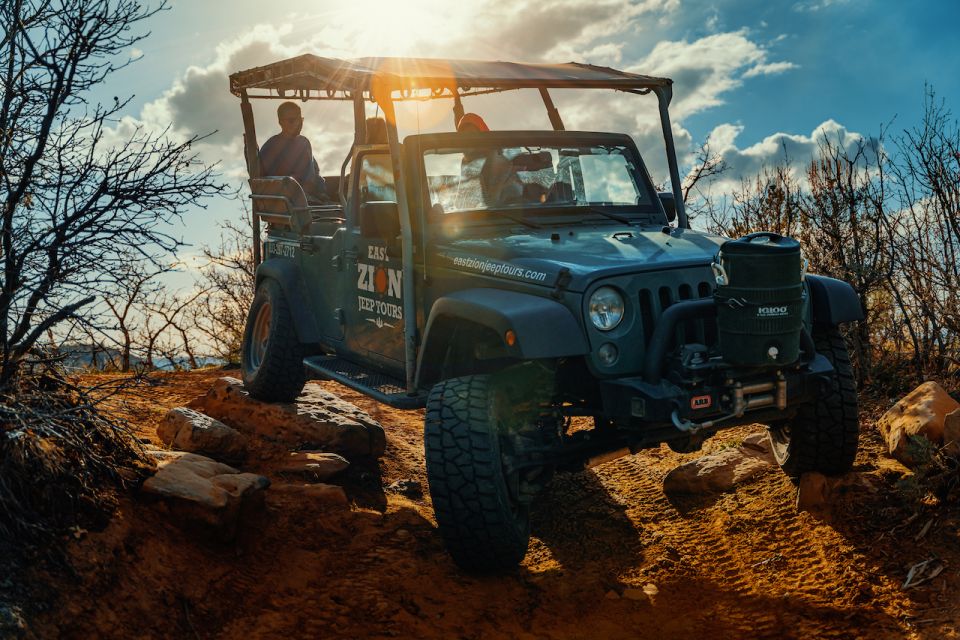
x,y
607,354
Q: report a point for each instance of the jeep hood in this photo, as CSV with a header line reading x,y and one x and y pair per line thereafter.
x,y
538,256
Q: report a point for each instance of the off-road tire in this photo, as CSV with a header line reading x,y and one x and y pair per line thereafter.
x,y
824,434
484,527
274,373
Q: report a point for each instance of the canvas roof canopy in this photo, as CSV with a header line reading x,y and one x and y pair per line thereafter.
x,y
314,77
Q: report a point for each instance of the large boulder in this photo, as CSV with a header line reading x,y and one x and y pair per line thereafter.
x,y
188,430
202,492
723,470
316,420
922,412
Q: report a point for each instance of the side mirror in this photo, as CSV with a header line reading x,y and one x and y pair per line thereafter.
x,y
669,205
379,220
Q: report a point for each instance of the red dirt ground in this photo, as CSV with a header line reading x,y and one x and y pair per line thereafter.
x,y
611,557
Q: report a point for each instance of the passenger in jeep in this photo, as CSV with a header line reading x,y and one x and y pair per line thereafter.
x,y
498,183
289,154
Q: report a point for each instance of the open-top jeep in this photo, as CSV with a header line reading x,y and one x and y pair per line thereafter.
x,y
510,281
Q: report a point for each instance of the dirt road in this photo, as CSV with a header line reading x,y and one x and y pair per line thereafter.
x,y
612,557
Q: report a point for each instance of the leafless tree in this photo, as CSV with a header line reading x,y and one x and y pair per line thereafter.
x,y
72,203
132,291
228,282
707,167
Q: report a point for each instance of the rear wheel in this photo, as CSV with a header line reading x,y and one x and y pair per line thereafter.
x,y
479,514
271,355
824,434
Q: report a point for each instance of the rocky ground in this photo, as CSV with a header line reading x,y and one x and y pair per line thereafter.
x,y
613,555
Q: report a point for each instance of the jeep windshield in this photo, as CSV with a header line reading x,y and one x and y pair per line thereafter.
x,y
601,179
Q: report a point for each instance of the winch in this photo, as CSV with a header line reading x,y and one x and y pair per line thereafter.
x,y
759,298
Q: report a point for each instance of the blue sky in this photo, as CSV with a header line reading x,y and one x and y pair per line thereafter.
x,y
749,74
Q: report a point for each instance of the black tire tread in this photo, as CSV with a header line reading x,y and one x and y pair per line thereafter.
x,y
281,376
824,435
464,470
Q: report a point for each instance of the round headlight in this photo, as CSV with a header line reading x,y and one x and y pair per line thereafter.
x,y
606,308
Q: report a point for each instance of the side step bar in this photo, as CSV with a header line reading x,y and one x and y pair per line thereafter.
x,y
379,386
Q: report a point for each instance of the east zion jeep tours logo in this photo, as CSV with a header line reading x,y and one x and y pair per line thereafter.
x,y
383,281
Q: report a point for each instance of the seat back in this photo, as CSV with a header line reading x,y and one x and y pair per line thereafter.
x,y
280,201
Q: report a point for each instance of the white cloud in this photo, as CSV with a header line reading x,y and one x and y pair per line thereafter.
x,y
705,69
799,149
769,69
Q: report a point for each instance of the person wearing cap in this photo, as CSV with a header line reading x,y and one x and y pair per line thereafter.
x,y
499,183
289,154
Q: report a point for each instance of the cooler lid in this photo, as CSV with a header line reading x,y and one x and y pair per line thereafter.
x,y
760,243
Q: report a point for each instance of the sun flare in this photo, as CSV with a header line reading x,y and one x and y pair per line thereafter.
x,y
397,29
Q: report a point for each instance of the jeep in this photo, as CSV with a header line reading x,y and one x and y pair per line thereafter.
x,y
533,292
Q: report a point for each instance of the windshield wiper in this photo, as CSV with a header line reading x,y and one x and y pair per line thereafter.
x,y
612,216
517,219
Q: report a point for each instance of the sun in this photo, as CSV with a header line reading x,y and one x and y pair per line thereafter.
x,y
390,28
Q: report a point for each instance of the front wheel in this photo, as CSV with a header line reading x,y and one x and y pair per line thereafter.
x,y
271,356
484,525
824,434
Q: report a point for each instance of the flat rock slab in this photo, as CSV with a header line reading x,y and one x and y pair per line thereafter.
x,y
723,470
184,429
201,491
921,413
317,465
316,420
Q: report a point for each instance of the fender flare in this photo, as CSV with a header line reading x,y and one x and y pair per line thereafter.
x,y
528,316
833,301
287,274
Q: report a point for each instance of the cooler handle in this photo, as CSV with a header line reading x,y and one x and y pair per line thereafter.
x,y
776,237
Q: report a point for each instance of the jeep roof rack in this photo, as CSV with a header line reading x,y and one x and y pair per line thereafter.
x,y
310,77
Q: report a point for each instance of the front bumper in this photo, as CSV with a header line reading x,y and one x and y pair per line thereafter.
x,y
729,400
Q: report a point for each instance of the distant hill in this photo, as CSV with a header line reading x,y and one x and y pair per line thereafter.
x,y
83,356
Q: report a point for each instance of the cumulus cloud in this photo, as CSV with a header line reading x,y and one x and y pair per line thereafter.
x,y
707,68
798,149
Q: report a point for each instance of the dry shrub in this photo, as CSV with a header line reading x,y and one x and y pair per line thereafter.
x,y
61,459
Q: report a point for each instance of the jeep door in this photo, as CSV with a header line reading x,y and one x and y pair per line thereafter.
x,y
373,309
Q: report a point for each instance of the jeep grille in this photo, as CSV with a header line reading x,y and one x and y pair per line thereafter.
x,y
654,301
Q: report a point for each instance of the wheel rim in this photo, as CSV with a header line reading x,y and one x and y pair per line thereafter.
x,y
260,337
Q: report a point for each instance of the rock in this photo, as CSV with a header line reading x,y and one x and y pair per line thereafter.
x,y
812,492
188,430
921,412
719,471
631,593
407,487
323,492
317,419
201,491
817,493
760,442
951,434
314,464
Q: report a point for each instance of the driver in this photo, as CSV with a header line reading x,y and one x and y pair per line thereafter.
x,y
289,154
499,183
